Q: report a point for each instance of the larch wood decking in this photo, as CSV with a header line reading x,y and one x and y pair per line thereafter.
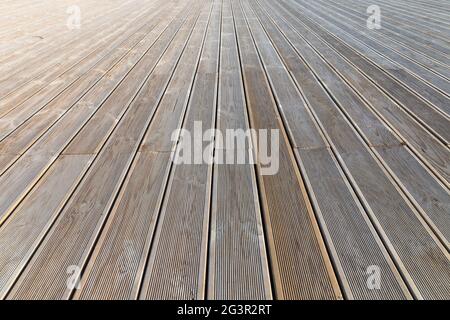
x,y
86,171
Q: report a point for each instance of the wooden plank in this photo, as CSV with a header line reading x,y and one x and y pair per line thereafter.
x,y
343,220
17,89
93,134
39,22
238,257
33,26
22,234
426,69
70,240
355,239
421,12
300,264
86,150
413,131
50,61
402,25
114,271
238,262
60,38
374,130
374,61
429,195
21,176
176,266
412,50
401,122
23,137
139,202
6,159
17,111
439,45
34,95
405,234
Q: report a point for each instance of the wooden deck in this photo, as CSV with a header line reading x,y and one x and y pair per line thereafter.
x,y
87,181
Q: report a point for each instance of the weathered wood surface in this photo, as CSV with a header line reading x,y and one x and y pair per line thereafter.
x,y
88,121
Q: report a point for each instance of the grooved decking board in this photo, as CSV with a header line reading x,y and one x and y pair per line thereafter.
x,y
394,63
21,109
392,215
329,187
425,24
116,267
22,132
293,234
47,63
176,267
22,234
355,116
238,263
375,131
44,90
393,83
430,195
88,132
133,219
5,159
423,13
432,59
432,72
84,215
363,249
30,166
